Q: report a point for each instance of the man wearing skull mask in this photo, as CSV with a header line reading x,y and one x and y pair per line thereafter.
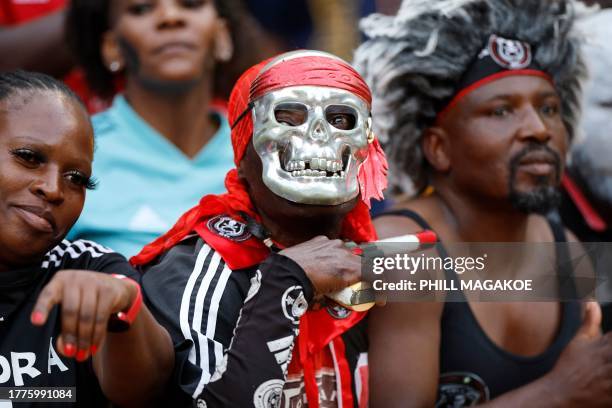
x,y
477,101
234,281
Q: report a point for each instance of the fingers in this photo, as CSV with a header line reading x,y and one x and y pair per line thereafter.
x,y
101,321
49,297
86,321
591,322
69,317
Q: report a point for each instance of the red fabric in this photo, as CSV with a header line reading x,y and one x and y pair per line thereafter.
x,y
487,80
317,328
364,376
237,255
373,174
311,70
345,372
78,83
592,218
357,225
13,12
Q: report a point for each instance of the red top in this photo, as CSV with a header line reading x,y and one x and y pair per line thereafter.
x,y
13,12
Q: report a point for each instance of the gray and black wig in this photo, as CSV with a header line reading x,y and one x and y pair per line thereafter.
x,y
414,61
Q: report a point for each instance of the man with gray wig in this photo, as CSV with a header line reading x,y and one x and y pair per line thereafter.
x,y
476,102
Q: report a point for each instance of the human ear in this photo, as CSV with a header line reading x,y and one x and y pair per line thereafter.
x,y
111,52
223,45
436,148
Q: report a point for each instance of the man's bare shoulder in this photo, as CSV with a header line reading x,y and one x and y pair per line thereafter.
x,y
394,225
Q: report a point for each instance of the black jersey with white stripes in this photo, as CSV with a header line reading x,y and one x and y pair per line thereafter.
x,y
28,354
233,330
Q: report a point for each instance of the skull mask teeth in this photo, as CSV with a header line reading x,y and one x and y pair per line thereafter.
x,y
313,157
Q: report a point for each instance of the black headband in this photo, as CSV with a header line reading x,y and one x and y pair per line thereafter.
x,y
499,58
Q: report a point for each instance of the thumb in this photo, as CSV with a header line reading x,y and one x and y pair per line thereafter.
x,y
591,321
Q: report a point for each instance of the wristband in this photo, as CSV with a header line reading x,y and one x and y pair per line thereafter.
x,y
121,321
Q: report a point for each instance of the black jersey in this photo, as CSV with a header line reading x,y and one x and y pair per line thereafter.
x,y
235,330
28,357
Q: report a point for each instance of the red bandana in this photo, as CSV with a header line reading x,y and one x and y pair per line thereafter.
x,y
357,225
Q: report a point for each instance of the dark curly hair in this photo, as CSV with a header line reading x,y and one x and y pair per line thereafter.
x,y
88,20
414,61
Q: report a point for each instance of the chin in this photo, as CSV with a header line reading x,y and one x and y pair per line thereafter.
x,y
319,210
540,200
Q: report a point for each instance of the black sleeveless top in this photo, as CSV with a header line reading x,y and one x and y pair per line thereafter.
x,y
473,369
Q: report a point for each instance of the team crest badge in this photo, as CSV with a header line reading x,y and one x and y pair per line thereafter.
x,y
294,303
461,389
268,394
509,54
229,228
338,312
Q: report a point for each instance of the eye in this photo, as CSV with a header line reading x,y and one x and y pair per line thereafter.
x,y
550,109
291,114
28,157
501,111
341,117
139,8
82,180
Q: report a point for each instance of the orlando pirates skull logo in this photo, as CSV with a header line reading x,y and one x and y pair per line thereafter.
x,y
268,394
461,389
509,54
294,303
229,228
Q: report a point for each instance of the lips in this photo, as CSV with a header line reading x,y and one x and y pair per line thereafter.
x,y
538,163
174,47
37,218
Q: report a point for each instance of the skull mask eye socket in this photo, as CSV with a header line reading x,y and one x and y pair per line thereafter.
x,y
291,114
341,117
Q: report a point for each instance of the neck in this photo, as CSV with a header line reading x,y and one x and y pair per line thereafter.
x,y
292,230
475,219
181,116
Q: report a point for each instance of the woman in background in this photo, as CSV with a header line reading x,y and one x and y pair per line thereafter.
x,y
163,143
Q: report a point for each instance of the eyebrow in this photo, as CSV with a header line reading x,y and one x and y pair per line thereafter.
x,y
33,140
546,94
543,94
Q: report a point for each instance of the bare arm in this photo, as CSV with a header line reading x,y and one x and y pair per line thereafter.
x,y
36,46
403,354
132,367
144,352
404,338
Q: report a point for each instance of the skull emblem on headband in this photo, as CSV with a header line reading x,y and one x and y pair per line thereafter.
x,y
311,141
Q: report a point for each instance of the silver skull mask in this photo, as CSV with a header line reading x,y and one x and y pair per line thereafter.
x,y
309,160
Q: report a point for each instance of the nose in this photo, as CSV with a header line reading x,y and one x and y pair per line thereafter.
x,y
318,129
49,186
170,14
533,128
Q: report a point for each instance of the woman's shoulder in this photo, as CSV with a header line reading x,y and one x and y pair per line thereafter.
x,y
86,255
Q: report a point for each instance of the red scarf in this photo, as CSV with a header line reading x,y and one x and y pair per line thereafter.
x,y
317,328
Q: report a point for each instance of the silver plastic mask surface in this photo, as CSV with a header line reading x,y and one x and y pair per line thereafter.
x,y
313,162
